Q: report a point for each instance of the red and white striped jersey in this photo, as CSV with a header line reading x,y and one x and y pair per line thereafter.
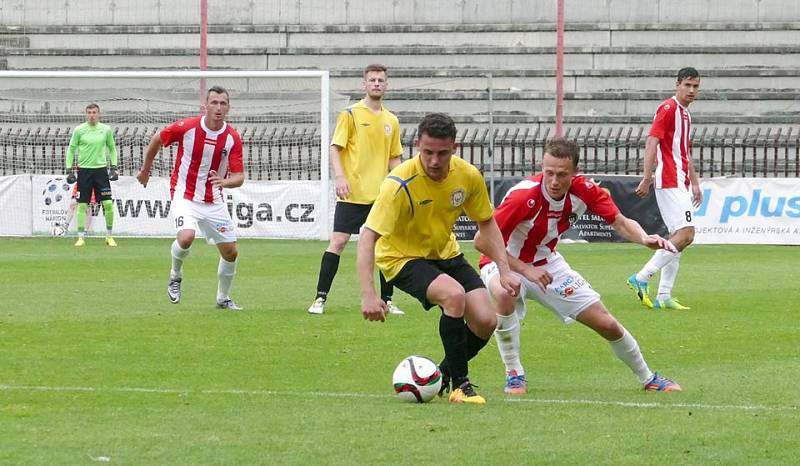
x,y
672,125
199,151
532,222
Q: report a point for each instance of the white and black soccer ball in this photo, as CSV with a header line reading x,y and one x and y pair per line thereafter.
x,y
58,230
417,379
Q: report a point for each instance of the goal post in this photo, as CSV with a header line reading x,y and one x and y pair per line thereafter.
x,y
283,118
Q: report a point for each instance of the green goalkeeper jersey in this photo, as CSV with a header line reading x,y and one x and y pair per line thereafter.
x,y
92,141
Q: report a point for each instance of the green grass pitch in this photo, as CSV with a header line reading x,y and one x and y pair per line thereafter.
x,y
97,366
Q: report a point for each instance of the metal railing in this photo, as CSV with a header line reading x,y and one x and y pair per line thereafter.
x,y
770,152
292,152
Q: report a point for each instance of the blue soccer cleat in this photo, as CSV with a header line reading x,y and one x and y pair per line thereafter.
x,y
642,291
515,384
661,384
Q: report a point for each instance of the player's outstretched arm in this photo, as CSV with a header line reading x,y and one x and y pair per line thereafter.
x,y
490,242
632,231
150,154
372,307
536,275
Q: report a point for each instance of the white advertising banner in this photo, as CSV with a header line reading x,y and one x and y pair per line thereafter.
x,y
749,211
15,199
265,209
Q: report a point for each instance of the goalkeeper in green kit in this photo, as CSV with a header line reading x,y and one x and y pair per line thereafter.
x,y
93,175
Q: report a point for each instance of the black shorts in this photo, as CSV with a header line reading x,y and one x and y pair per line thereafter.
x,y
349,217
93,179
417,275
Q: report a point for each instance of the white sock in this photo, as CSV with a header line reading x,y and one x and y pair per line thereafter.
x,y
660,258
668,274
178,256
627,350
225,273
507,336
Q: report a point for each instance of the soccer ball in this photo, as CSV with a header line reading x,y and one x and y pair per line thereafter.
x,y
58,230
417,379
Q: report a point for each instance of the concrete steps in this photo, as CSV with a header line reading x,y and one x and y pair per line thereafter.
x,y
616,71
533,35
512,58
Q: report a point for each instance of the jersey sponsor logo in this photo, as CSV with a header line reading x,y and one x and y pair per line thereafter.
x,y
457,197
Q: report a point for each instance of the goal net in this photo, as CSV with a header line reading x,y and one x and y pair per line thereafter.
x,y
283,118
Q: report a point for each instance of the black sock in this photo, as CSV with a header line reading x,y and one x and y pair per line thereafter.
x,y
451,331
387,290
327,270
474,343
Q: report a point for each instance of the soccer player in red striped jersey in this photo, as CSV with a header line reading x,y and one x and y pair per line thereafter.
x,y
532,217
669,151
209,159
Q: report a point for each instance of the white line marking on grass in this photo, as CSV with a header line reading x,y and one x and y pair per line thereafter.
x,y
232,391
652,405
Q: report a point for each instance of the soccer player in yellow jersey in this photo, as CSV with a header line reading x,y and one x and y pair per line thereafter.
x,y
408,234
365,146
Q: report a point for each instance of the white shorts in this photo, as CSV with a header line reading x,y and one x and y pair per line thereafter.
x,y
212,220
566,296
676,209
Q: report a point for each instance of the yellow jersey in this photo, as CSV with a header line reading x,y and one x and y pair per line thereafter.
x,y
367,141
415,215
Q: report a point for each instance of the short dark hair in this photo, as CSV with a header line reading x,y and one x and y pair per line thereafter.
x,y
93,105
376,67
687,73
218,90
562,148
437,125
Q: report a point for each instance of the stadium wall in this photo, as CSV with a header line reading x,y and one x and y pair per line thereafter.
x,y
240,12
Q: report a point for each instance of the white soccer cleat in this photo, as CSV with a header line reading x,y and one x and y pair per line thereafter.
x,y
228,304
174,290
318,307
393,309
